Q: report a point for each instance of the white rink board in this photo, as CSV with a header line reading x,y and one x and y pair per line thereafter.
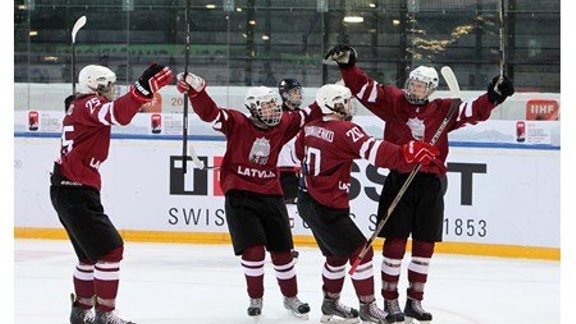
x,y
516,201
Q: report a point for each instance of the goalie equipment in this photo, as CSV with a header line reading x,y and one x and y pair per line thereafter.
x,y
428,76
98,80
261,102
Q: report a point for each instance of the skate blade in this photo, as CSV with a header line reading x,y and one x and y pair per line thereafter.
x,y
338,320
411,320
297,315
257,319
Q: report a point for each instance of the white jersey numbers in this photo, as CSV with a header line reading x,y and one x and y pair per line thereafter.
x,y
313,155
355,133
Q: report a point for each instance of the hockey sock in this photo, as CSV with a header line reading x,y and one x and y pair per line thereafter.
x,y
285,272
253,267
418,268
363,278
84,284
393,253
107,278
333,275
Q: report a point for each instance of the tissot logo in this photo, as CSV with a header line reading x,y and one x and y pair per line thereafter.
x,y
207,182
195,182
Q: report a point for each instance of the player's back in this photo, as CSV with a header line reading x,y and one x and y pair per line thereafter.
x,y
85,139
329,147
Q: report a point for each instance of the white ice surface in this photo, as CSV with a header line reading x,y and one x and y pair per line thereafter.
x,y
177,284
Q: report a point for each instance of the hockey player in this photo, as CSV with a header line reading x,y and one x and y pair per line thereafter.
x,y
290,91
410,115
327,148
75,185
255,211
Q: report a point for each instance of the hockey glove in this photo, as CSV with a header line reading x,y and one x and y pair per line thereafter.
x,y
499,90
191,84
419,152
155,77
344,55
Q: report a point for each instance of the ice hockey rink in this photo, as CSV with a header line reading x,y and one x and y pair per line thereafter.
x,y
185,283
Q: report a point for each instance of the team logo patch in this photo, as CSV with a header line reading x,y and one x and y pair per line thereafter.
x,y
417,127
260,151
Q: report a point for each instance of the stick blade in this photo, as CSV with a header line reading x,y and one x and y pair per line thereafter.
x,y
77,26
451,80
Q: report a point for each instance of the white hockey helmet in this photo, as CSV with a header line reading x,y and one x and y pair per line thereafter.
x,y
335,99
426,75
97,79
262,103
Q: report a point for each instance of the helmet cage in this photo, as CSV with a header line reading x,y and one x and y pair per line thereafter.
x,y
263,107
428,76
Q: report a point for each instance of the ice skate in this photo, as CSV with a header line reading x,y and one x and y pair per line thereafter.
x,y
295,255
297,307
335,312
395,314
414,311
255,309
370,313
109,318
79,315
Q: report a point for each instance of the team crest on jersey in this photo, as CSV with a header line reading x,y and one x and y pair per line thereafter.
x,y
260,151
417,127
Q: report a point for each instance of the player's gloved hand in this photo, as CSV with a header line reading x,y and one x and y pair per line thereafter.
x,y
155,77
500,89
344,55
191,84
419,152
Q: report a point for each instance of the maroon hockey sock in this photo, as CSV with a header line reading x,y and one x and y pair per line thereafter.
x,y
106,279
363,278
418,268
393,252
84,284
333,275
253,267
285,273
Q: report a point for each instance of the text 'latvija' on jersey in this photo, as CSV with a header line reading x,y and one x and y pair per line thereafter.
x,y
251,158
327,149
86,135
406,121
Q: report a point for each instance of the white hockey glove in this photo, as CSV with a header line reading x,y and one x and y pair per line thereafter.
x,y
191,84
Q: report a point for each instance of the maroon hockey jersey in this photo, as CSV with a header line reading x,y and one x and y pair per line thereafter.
x,y
251,158
86,135
406,122
327,149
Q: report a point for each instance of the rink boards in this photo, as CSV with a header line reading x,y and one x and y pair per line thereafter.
x,y
502,200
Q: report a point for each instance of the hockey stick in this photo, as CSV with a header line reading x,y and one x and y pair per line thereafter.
x,y
502,45
450,78
502,52
77,26
199,164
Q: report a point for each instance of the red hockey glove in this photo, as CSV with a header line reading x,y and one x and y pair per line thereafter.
x,y
155,77
191,84
419,152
